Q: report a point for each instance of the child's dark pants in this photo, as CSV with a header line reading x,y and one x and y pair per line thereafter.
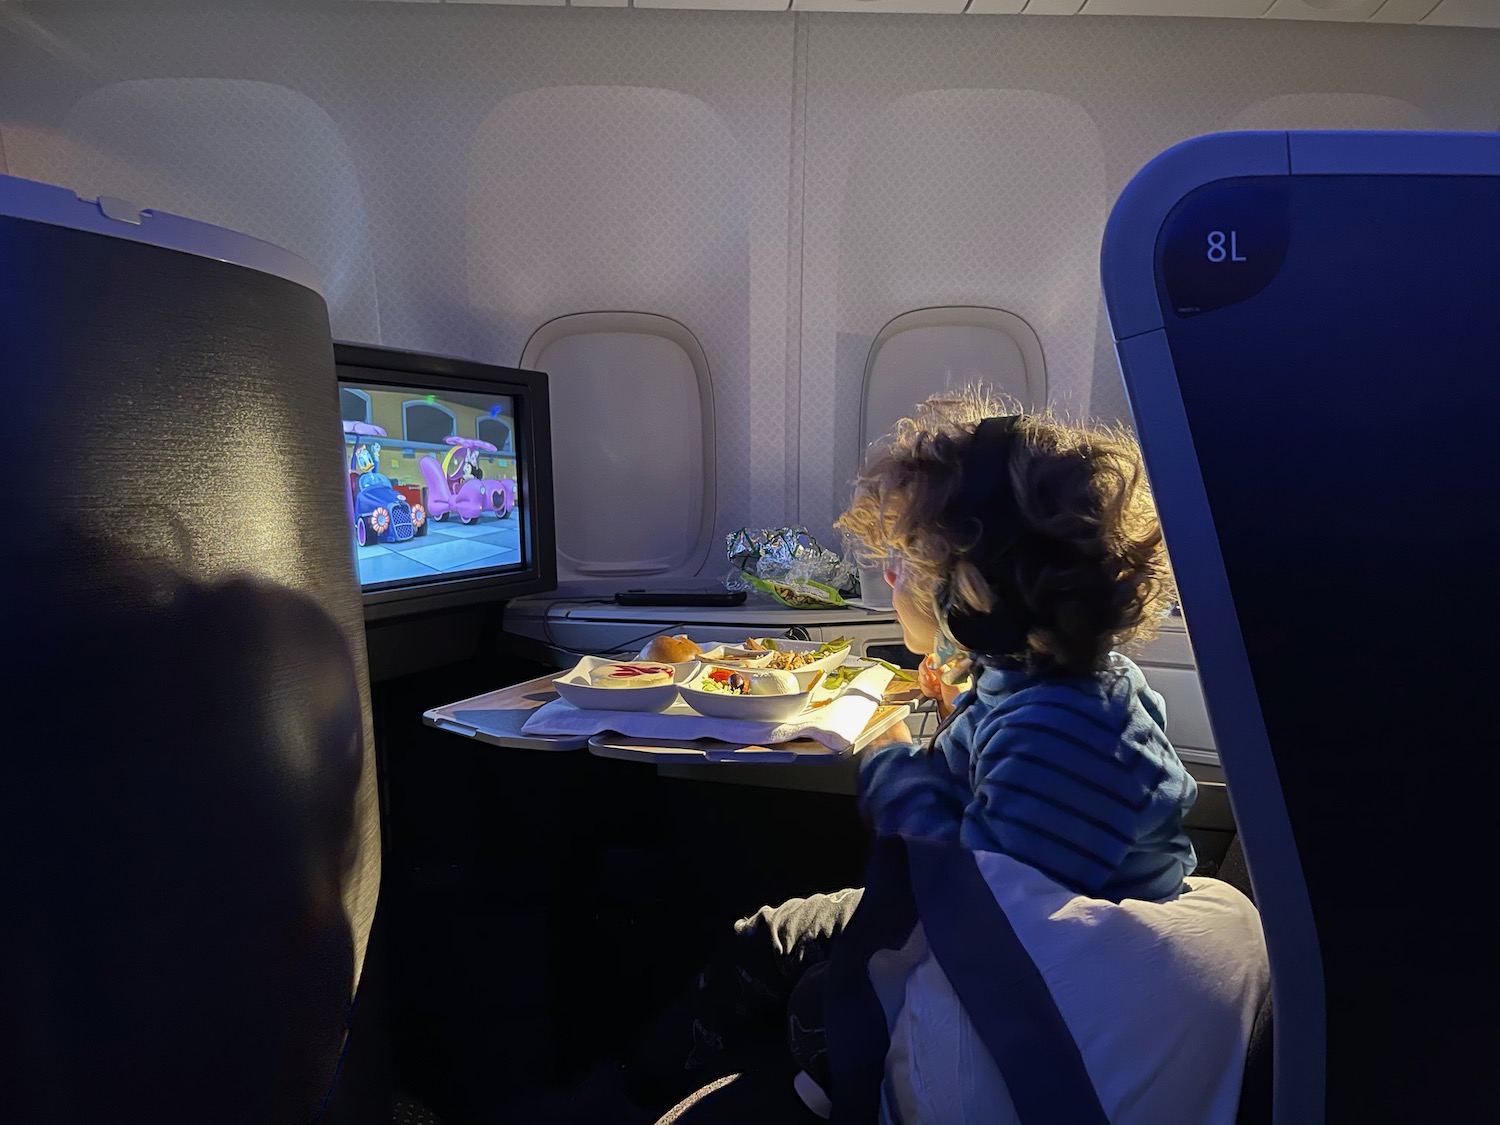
x,y
737,1016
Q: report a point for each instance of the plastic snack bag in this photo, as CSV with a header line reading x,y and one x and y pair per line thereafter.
x,y
805,594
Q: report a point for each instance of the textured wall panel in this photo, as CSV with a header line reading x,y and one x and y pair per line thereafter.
x,y
1330,111
251,156
1138,86
904,201
797,181
620,198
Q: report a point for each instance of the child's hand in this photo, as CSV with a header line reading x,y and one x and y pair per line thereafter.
x,y
929,674
944,682
896,732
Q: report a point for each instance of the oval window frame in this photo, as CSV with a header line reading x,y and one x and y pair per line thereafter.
x,y
664,327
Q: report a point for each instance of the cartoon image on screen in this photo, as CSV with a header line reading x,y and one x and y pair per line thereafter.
x,y
458,484
433,487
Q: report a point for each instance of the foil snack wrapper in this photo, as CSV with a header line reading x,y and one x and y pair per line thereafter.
x,y
790,566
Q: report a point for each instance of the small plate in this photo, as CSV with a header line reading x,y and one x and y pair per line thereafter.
x,y
755,708
735,656
804,674
574,686
681,670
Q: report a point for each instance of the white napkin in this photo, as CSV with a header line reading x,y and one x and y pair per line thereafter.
x,y
837,726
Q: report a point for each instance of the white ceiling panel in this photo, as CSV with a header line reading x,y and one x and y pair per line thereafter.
x,y
535,3
719,5
1235,9
1403,11
995,7
1052,7
908,7
1465,13
1347,11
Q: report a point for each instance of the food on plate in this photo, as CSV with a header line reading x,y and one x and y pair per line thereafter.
x,y
722,681
722,655
840,678
788,660
631,675
671,650
772,682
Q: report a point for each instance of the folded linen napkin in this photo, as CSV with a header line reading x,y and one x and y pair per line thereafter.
x,y
837,726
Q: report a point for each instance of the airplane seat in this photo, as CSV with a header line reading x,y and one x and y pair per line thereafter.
x,y
611,474
192,835
1301,319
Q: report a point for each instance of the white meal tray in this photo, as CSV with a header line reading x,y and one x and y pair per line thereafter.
x,y
837,726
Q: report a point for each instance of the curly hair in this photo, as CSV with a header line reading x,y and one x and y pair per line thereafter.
x,y
1090,571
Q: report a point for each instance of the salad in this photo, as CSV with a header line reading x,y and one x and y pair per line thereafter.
x,y
721,681
724,681
789,660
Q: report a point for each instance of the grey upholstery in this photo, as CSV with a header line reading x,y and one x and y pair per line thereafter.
x,y
191,827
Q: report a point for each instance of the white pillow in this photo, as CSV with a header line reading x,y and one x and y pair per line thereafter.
x,y
1159,996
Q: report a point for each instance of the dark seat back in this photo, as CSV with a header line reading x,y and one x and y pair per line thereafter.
x,y
1315,401
190,809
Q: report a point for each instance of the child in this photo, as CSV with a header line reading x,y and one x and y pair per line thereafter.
x,y
1033,547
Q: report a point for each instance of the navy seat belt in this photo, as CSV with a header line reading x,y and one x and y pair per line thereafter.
x,y
999,986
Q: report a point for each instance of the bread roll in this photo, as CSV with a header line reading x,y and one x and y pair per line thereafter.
x,y
671,650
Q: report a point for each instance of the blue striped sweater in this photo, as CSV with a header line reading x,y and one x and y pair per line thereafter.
x,y
1072,776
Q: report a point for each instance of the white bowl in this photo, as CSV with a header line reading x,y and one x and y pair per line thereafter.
x,y
574,686
754,708
806,672
681,672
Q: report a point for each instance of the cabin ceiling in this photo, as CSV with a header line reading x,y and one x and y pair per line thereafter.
x,y
1434,13
1440,13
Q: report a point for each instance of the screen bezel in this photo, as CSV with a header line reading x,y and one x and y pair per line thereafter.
x,y
360,365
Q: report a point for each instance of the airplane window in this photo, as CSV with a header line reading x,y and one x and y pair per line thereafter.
x,y
929,350
604,367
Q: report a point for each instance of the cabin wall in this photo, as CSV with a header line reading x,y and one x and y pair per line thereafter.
x,y
782,184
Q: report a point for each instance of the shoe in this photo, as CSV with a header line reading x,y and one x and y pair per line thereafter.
x,y
813,1096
